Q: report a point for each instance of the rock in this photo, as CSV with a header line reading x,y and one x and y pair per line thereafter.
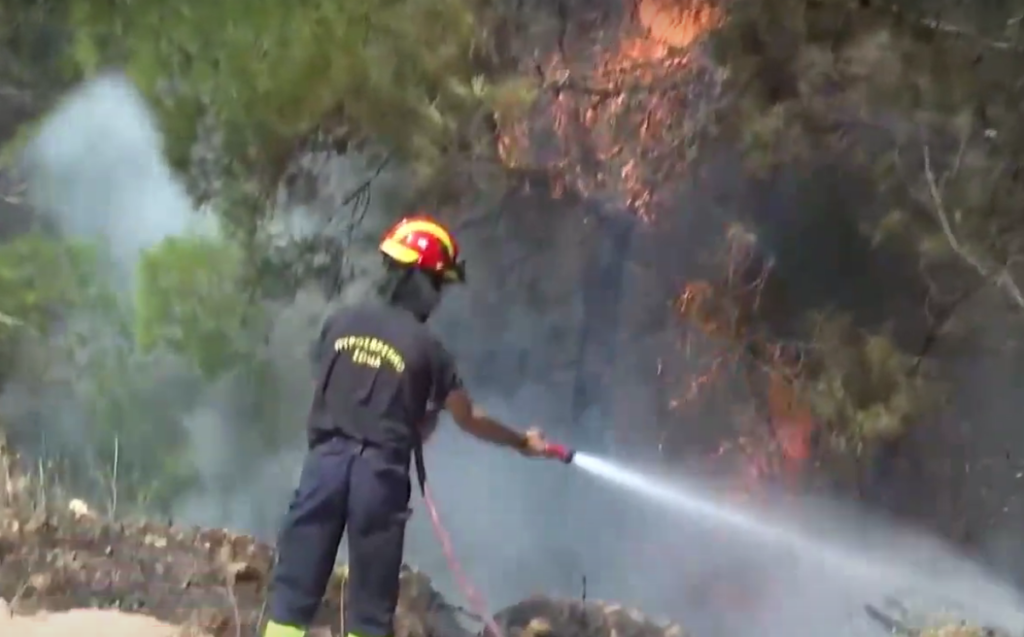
x,y
79,509
549,617
92,623
422,611
211,580
956,630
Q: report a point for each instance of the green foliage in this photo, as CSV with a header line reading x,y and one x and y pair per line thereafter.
x,y
246,82
135,436
190,300
922,99
861,386
271,72
45,281
29,36
40,275
817,74
134,368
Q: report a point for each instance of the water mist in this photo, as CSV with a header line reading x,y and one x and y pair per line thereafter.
x,y
944,581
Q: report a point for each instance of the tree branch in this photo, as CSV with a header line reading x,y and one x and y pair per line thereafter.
x,y
991,272
10,321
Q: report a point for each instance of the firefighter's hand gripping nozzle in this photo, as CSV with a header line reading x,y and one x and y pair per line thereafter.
x,y
561,453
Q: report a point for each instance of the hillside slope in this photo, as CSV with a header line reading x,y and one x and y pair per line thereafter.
x,y
213,582
150,579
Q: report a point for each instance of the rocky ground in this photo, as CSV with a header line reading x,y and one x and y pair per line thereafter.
x,y
62,557
147,579
214,581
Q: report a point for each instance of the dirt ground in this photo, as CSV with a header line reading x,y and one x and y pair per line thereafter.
x,y
209,579
72,574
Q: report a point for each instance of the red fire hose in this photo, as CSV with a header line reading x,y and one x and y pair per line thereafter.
x,y
561,452
476,601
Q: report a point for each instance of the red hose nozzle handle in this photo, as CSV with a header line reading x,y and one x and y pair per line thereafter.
x,y
561,452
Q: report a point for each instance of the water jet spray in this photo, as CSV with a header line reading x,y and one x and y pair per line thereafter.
x,y
945,584
960,584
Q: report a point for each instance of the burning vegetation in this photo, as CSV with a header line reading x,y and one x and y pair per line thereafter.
x,y
625,104
627,99
621,108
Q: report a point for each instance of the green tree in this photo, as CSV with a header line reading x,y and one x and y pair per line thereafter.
x,y
133,409
921,100
239,89
269,74
190,300
41,275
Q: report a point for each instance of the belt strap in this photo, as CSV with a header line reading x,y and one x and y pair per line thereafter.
x,y
421,465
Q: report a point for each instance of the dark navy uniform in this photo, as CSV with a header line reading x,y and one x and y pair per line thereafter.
x,y
378,368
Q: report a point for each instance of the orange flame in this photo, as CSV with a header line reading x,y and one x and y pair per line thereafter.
x,y
673,25
792,423
617,116
618,124
721,312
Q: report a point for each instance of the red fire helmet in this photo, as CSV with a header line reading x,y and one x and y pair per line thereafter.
x,y
420,242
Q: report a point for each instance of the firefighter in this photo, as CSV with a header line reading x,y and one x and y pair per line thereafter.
x,y
381,375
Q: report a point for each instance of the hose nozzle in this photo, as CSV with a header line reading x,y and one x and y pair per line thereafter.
x,y
561,453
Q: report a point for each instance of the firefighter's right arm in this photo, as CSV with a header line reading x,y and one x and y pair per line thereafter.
x,y
450,392
475,422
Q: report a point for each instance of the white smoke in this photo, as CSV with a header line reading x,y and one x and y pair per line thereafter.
x,y
96,167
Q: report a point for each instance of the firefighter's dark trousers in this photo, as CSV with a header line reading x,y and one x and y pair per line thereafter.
x,y
343,482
